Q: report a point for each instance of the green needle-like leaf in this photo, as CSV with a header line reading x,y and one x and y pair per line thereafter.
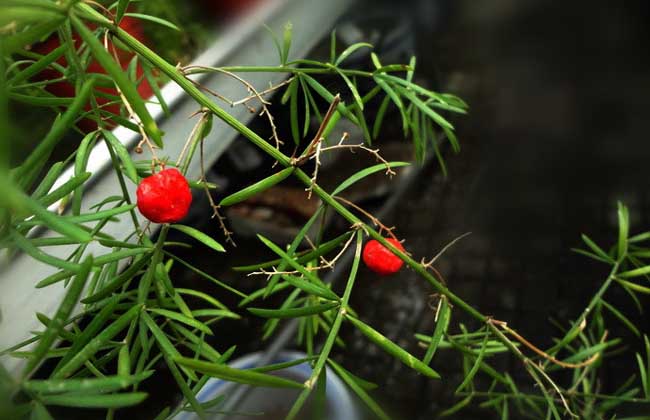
x,y
302,270
623,230
98,321
256,188
127,88
61,317
70,186
366,172
199,236
95,401
286,46
122,6
31,167
392,348
441,328
310,288
154,19
351,49
350,381
183,319
302,257
293,312
85,385
477,364
96,343
123,154
121,279
237,375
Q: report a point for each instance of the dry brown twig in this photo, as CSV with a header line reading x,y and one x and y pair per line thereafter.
x,y
375,152
530,366
331,263
324,263
319,149
443,250
504,326
315,147
557,389
107,12
429,264
215,208
375,221
275,271
270,89
251,90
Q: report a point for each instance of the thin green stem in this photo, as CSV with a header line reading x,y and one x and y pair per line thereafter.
x,y
539,398
580,323
125,191
333,333
147,278
279,69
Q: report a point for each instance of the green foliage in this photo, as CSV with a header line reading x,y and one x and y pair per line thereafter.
x,y
137,314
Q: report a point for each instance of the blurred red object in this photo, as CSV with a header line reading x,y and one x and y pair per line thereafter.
x,y
66,89
228,8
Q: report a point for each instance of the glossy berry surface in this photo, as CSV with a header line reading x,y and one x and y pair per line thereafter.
x,y
380,259
164,197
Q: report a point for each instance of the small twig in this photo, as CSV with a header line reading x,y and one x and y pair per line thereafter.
x,y
314,176
541,352
540,369
269,274
215,207
314,247
211,92
264,92
375,152
373,219
318,137
332,262
443,250
528,364
325,263
255,94
107,12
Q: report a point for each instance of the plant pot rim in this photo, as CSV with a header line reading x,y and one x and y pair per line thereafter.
x,y
337,394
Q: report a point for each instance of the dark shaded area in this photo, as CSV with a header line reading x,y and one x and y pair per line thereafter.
x,y
556,134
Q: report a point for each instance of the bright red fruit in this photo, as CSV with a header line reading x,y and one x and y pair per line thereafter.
x,y
164,197
380,259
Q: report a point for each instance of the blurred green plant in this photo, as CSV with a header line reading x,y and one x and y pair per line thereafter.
x,y
138,317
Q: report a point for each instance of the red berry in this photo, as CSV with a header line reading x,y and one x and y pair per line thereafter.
x,y
164,197
380,259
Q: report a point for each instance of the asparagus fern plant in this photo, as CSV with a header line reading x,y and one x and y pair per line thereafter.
x,y
139,319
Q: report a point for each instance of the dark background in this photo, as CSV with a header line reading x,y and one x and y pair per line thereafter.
x,y
556,134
